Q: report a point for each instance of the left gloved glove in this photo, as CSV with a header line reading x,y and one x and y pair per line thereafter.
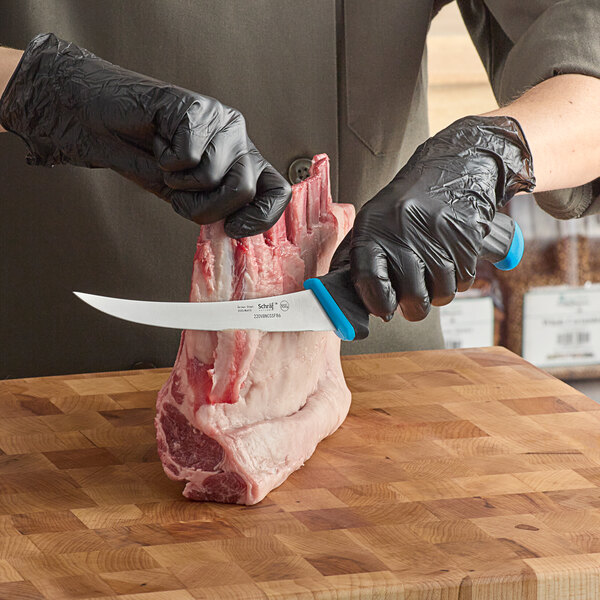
x,y
72,107
416,243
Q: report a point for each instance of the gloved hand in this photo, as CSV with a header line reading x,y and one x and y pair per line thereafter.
x,y
71,107
417,241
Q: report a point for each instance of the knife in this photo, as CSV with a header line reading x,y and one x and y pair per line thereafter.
x,y
327,303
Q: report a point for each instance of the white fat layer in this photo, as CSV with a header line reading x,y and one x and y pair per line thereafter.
x,y
288,388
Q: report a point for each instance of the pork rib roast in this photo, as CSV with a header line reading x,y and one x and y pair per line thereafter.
x,y
242,410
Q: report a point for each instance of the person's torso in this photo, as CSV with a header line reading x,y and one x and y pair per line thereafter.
x,y
345,78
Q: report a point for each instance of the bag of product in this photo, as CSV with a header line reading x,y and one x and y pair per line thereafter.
x,y
552,299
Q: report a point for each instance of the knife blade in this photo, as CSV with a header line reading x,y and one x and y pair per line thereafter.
x,y
297,311
328,303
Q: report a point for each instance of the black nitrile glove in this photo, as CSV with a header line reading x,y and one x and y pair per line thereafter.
x,y
416,243
71,107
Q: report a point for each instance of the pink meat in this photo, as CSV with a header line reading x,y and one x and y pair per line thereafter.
x,y
244,409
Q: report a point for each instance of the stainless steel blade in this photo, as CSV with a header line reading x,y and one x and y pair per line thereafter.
x,y
300,311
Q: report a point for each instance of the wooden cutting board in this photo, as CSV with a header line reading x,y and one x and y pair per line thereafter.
x,y
459,475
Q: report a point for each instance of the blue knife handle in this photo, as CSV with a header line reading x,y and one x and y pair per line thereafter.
x,y
335,291
503,247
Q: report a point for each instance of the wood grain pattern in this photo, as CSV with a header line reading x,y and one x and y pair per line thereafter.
x,y
458,475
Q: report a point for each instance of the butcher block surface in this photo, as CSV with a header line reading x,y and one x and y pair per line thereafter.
x,y
458,475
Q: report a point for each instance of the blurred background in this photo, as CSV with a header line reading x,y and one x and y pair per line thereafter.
x,y
548,309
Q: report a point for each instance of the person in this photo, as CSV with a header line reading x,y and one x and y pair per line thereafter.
x,y
346,78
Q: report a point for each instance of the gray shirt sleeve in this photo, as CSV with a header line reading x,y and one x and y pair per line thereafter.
x,y
524,43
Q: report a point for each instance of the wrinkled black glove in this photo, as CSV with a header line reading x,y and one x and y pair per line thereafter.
x,y
416,243
71,107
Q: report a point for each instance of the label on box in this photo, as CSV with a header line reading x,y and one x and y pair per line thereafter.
x,y
468,322
561,326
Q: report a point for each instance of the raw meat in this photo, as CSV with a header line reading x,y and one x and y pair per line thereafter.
x,y
244,409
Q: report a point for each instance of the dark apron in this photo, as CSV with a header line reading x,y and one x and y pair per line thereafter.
x,y
311,76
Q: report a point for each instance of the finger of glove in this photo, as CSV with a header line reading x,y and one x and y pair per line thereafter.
x,y
464,244
465,284
341,256
273,194
369,268
409,279
185,148
237,189
466,268
223,150
184,151
440,279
